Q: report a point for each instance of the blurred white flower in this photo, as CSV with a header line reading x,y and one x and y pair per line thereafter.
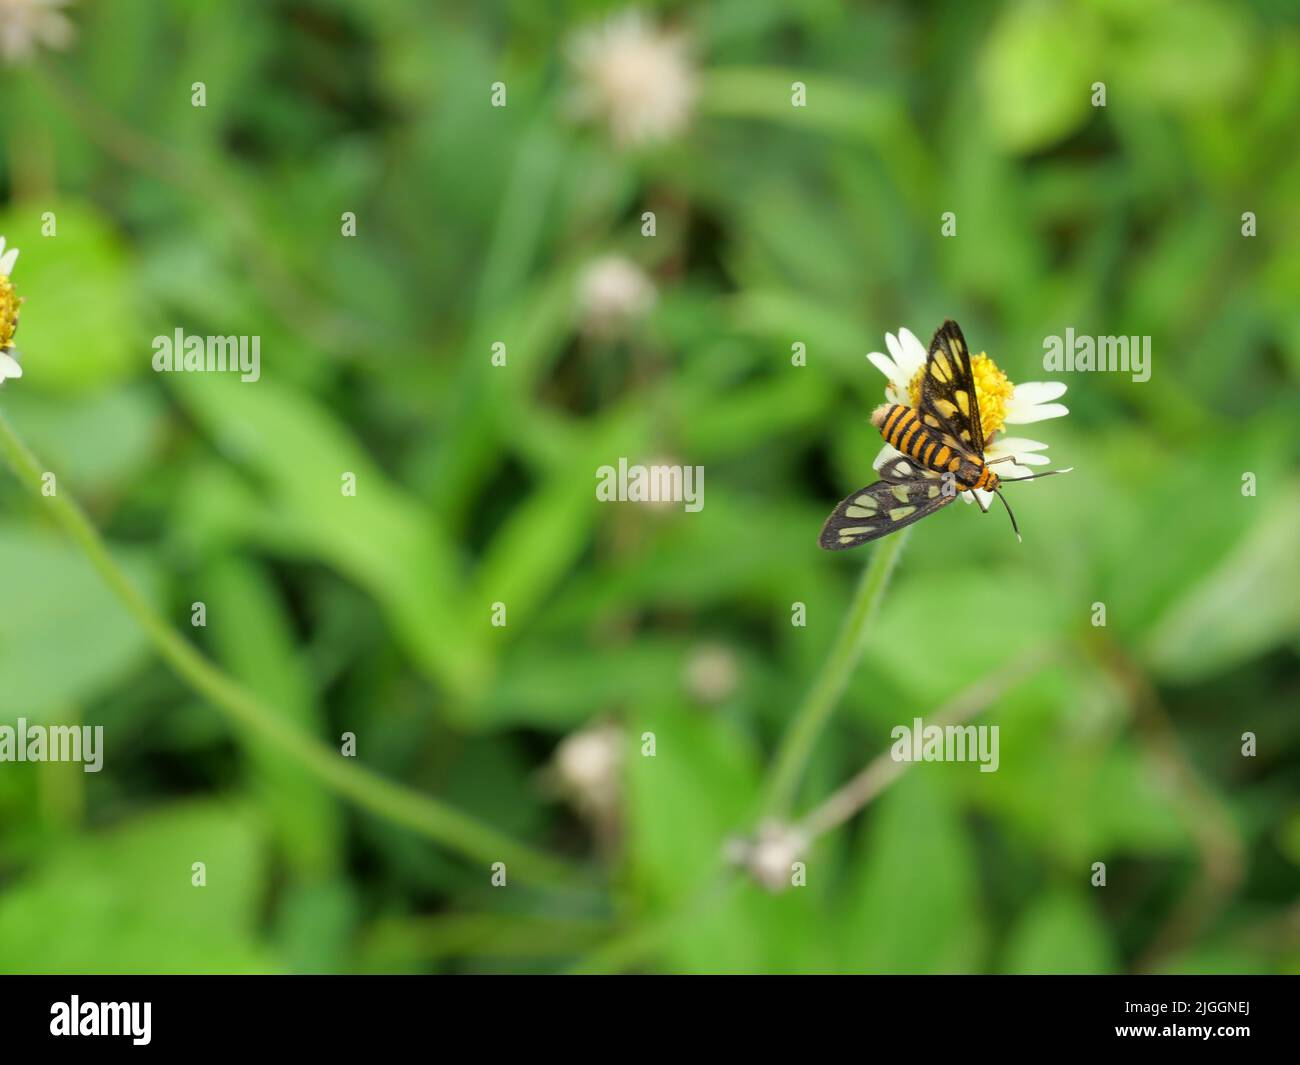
x,y
26,24
613,292
635,77
712,673
770,856
1001,403
588,769
10,301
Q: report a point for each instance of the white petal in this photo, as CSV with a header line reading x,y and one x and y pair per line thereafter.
x,y
9,367
7,261
896,387
882,363
1000,450
1016,445
886,453
913,353
1039,391
895,348
906,357
1023,415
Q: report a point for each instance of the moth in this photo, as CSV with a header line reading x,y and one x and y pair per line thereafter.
x,y
942,445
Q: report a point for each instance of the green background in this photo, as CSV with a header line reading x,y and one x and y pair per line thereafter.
x,y
775,225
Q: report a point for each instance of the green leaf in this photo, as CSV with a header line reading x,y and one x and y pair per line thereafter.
x,y
1060,933
684,804
1186,53
687,800
912,905
80,325
96,440
1240,609
999,614
542,684
123,902
254,640
1035,73
64,637
379,538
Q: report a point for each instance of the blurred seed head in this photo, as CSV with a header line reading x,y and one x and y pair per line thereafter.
x,y
712,672
636,78
613,293
770,854
587,769
26,25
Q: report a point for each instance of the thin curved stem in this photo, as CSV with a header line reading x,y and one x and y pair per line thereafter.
x,y
815,711
422,813
884,769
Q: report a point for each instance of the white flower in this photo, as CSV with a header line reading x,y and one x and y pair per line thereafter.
x,y
24,24
637,79
712,673
9,304
1001,403
905,359
770,855
612,293
588,769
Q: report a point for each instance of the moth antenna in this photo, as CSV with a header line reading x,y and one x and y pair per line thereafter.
x,y
1014,527
1034,477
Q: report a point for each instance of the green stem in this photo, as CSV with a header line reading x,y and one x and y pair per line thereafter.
x,y
422,813
818,705
625,951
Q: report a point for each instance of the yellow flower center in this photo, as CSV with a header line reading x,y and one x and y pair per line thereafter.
x,y
992,392
9,304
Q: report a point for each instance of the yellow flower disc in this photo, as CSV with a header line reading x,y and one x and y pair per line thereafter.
x,y
9,303
992,391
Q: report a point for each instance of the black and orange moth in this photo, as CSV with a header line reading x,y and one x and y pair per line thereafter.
x,y
942,446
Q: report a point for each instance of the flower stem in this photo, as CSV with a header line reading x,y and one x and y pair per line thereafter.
x,y
814,712
422,813
884,770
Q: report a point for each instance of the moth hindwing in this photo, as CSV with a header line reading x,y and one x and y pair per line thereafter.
x,y
948,399
905,493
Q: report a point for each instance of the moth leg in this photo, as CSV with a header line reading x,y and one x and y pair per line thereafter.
x,y
979,502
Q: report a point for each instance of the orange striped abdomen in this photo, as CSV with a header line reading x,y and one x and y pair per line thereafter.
x,y
904,430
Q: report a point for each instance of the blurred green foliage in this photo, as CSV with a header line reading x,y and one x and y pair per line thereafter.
x,y
776,225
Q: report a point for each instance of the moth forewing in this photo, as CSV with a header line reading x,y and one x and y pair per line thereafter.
x,y
890,504
949,401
